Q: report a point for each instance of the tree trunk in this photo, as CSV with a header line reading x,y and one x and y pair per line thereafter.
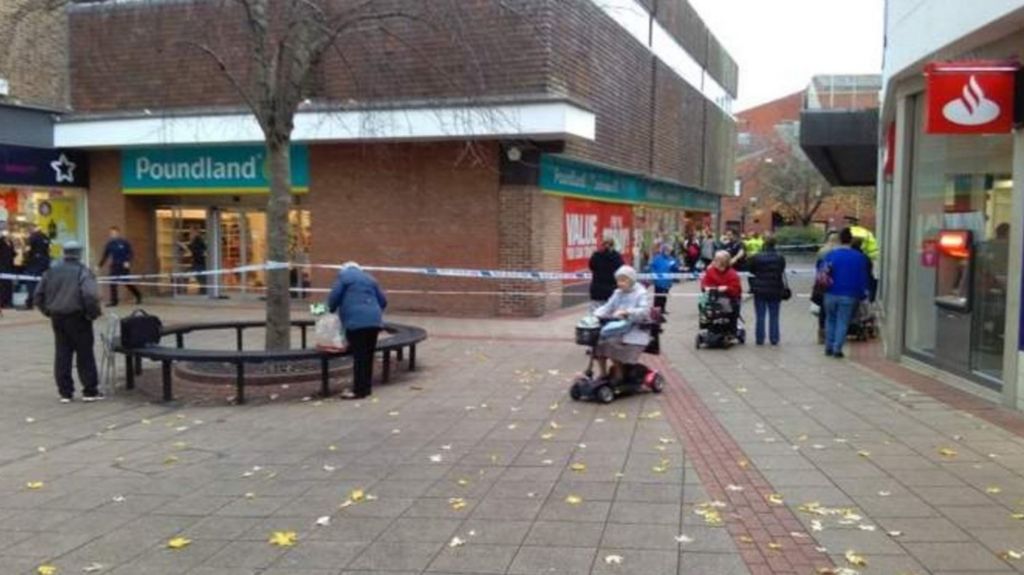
x,y
278,208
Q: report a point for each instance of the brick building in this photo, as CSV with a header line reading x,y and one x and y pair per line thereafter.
x,y
482,135
767,133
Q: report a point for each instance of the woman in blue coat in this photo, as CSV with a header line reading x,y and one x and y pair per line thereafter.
x,y
663,263
360,304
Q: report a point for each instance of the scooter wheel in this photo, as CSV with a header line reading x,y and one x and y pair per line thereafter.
x,y
605,394
741,336
658,385
576,392
698,341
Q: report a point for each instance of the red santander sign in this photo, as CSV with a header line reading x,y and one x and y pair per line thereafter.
x,y
970,97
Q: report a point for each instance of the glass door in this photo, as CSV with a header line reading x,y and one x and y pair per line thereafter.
x,y
177,251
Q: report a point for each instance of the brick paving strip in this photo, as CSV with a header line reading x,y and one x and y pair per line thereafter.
x,y
870,356
755,524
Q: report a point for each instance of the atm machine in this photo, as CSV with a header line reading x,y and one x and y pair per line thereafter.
x,y
954,295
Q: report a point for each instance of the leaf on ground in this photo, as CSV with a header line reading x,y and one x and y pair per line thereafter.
x,y
92,568
457,503
574,500
683,539
324,521
775,546
456,542
651,415
613,559
854,559
357,495
948,452
46,570
864,453
732,487
578,467
1010,554
774,498
992,489
179,543
283,538
35,484
435,458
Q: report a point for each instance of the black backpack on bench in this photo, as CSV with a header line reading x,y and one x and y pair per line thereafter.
x,y
140,330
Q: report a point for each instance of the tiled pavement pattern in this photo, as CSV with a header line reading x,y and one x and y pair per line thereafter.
x,y
487,419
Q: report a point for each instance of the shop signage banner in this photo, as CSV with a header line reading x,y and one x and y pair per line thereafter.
x,y
586,224
42,167
973,97
572,178
207,170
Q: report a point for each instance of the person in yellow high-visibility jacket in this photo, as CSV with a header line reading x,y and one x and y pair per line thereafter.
x,y
870,244
753,244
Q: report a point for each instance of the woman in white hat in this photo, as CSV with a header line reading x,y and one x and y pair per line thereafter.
x,y
629,302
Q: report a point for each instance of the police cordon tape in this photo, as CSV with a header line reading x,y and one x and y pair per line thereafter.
x,y
425,271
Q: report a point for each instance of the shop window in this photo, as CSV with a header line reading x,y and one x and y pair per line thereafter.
x,y
959,184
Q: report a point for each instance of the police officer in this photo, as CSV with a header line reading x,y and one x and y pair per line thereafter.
x,y
68,295
37,260
119,252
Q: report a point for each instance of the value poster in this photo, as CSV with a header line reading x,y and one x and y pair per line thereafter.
x,y
586,224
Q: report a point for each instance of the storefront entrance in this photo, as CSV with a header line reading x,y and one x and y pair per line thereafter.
x,y
206,238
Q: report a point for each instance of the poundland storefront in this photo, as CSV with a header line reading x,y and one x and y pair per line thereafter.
x,y
638,212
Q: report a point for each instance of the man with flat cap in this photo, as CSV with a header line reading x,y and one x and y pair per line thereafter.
x,y
67,294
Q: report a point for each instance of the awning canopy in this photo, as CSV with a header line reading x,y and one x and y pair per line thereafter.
x,y
842,144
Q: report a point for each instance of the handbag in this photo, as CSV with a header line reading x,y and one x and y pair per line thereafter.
x,y
787,294
140,329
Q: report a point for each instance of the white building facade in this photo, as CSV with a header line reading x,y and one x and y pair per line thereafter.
x,y
951,206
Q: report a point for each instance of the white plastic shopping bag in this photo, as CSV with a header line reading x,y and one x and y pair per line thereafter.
x,y
327,333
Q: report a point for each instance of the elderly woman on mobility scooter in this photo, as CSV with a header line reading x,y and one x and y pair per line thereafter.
x,y
631,303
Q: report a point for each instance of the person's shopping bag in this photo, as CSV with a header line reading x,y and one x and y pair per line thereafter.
x,y
327,333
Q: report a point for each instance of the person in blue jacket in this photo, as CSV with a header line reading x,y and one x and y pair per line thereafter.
x,y
360,304
664,263
118,252
850,285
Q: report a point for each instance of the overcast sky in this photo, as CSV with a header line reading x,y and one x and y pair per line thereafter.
x,y
780,44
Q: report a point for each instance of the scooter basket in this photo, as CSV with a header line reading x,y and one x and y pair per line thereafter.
x,y
588,335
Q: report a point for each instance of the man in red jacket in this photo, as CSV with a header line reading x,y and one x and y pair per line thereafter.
x,y
721,277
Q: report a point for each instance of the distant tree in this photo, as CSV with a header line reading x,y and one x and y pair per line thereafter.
x,y
792,184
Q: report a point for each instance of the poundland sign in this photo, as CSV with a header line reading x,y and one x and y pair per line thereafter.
x,y
213,170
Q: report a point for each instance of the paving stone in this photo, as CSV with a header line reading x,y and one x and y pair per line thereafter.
x,y
474,558
955,556
553,560
565,534
717,563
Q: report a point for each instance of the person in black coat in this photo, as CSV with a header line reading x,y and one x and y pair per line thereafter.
x,y
7,253
603,264
768,284
37,260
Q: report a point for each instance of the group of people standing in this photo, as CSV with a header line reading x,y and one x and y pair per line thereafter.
x,y
844,277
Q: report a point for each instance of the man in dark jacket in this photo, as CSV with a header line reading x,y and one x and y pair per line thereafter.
x,y
603,264
67,294
120,254
7,253
767,283
360,303
37,260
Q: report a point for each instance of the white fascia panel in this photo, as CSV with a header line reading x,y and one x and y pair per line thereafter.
x,y
552,120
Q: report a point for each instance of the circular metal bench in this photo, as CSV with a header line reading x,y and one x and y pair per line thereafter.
x,y
401,337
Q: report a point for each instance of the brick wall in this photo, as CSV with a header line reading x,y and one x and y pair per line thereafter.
x,y
516,48
34,56
530,238
408,205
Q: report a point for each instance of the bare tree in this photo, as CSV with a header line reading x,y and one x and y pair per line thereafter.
x,y
276,67
792,184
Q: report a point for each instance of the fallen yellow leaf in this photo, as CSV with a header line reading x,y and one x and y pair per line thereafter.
x,y
1011,554
947,452
864,453
993,489
357,495
578,467
574,500
1017,516
651,415
34,485
775,546
179,543
774,498
547,436
46,570
457,503
283,538
856,560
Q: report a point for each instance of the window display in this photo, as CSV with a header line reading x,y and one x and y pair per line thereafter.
x,y
59,213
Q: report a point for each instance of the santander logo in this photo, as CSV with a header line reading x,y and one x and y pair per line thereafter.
x,y
972,108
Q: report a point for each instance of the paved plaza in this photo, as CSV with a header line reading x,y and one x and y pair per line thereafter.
x,y
754,460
